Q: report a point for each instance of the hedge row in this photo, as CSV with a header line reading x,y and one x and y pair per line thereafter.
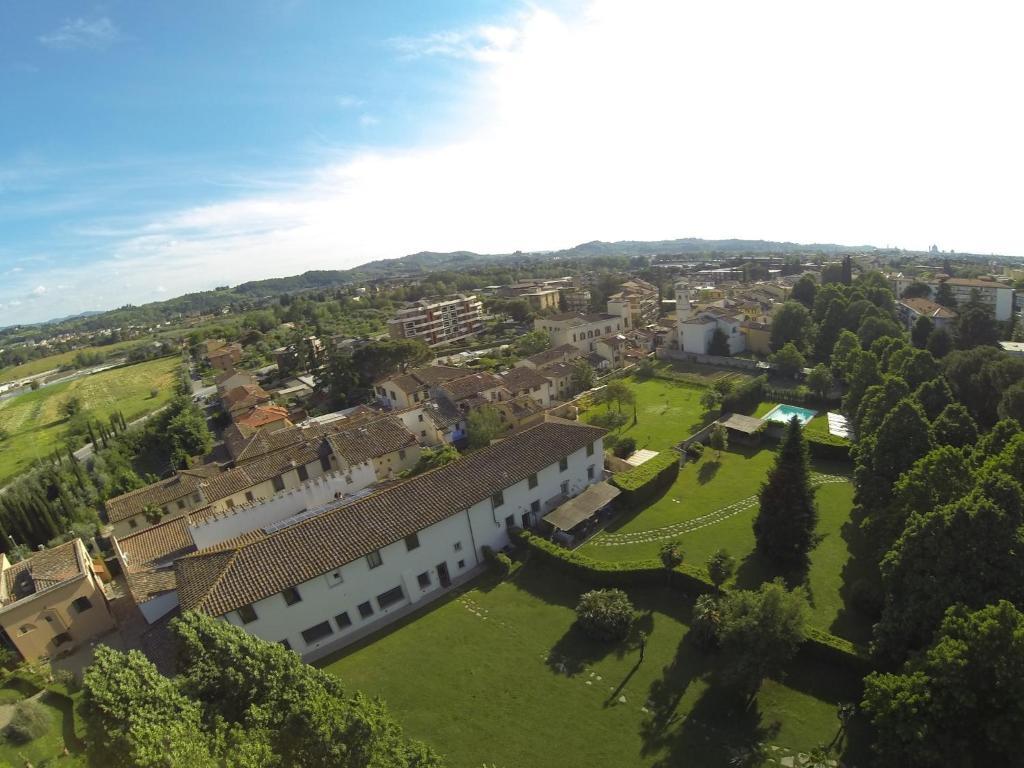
x,y
827,446
746,397
650,478
686,578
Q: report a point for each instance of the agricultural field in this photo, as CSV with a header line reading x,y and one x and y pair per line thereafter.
x,y
500,677
33,422
53,362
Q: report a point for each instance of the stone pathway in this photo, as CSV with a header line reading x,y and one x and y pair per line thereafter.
x,y
666,532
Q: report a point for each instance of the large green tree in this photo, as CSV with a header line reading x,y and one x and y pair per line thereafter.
x,y
955,427
791,322
964,552
902,438
787,514
804,291
921,331
962,702
760,632
482,426
788,361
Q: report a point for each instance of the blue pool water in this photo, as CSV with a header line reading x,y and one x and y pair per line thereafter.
x,y
784,413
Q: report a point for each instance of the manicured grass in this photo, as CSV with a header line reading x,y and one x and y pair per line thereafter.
x,y
35,425
50,746
734,480
499,676
43,364
667,413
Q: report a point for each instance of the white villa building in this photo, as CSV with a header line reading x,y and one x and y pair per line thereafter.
x,y
321,578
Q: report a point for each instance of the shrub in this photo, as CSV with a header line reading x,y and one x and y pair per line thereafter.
x,y
624,447
606,614
695,450
30,721
503,565
609,420
650,478
746,397
827,446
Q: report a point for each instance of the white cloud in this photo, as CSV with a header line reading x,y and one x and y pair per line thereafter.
x,y
483,43
645,120
368,120
82,33
350,102
39,290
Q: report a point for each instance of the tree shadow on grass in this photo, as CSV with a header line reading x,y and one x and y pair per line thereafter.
x,y
860,580
756,569
707,471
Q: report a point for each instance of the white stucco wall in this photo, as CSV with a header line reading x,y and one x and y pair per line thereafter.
x,y
456,541
315,492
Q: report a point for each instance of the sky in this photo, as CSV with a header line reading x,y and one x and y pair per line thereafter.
x,y
150,149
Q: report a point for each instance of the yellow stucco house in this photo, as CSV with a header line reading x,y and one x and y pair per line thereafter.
x,y
52,601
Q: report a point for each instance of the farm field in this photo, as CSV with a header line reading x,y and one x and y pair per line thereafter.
x,y
43,364
33,422
497,675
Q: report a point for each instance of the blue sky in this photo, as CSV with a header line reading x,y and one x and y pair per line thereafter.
x,y
148,149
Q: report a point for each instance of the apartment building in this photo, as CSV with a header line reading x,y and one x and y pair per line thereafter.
x,y
910,310
998,297
640,301
53,601
439,321
318,580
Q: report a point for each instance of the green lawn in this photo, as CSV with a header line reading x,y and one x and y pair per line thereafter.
x,y
667,413
712,505
48,749
35,425
497,675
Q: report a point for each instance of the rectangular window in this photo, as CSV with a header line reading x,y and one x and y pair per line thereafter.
x,y
231,503
563,464
181,503
133,523
531,481
374,560
462,563
291,596
458,546
319,632
343,620
590,449
510,521
303,473
389,598
401,455
419,417
565,488
278,483
196,497
424,579
247,614
535,506
497,499
325,463
366,610
249,496
590,472
334,578
81,604
412,541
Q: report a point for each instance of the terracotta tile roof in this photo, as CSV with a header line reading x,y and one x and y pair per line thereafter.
x,y
217,582
467,386
166,541
262,415
371,440
557,370
419,378
244,393
163,492
557,354
928,308
970,282
147,583
523,378
44,569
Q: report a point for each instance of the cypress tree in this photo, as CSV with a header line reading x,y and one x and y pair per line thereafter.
x,y
785,523
92,435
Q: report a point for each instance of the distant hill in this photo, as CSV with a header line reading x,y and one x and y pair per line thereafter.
x,y
424,262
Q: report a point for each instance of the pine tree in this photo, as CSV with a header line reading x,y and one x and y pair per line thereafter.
x,y
785,523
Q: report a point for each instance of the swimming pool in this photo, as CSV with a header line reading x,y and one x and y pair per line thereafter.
x,y
783,413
